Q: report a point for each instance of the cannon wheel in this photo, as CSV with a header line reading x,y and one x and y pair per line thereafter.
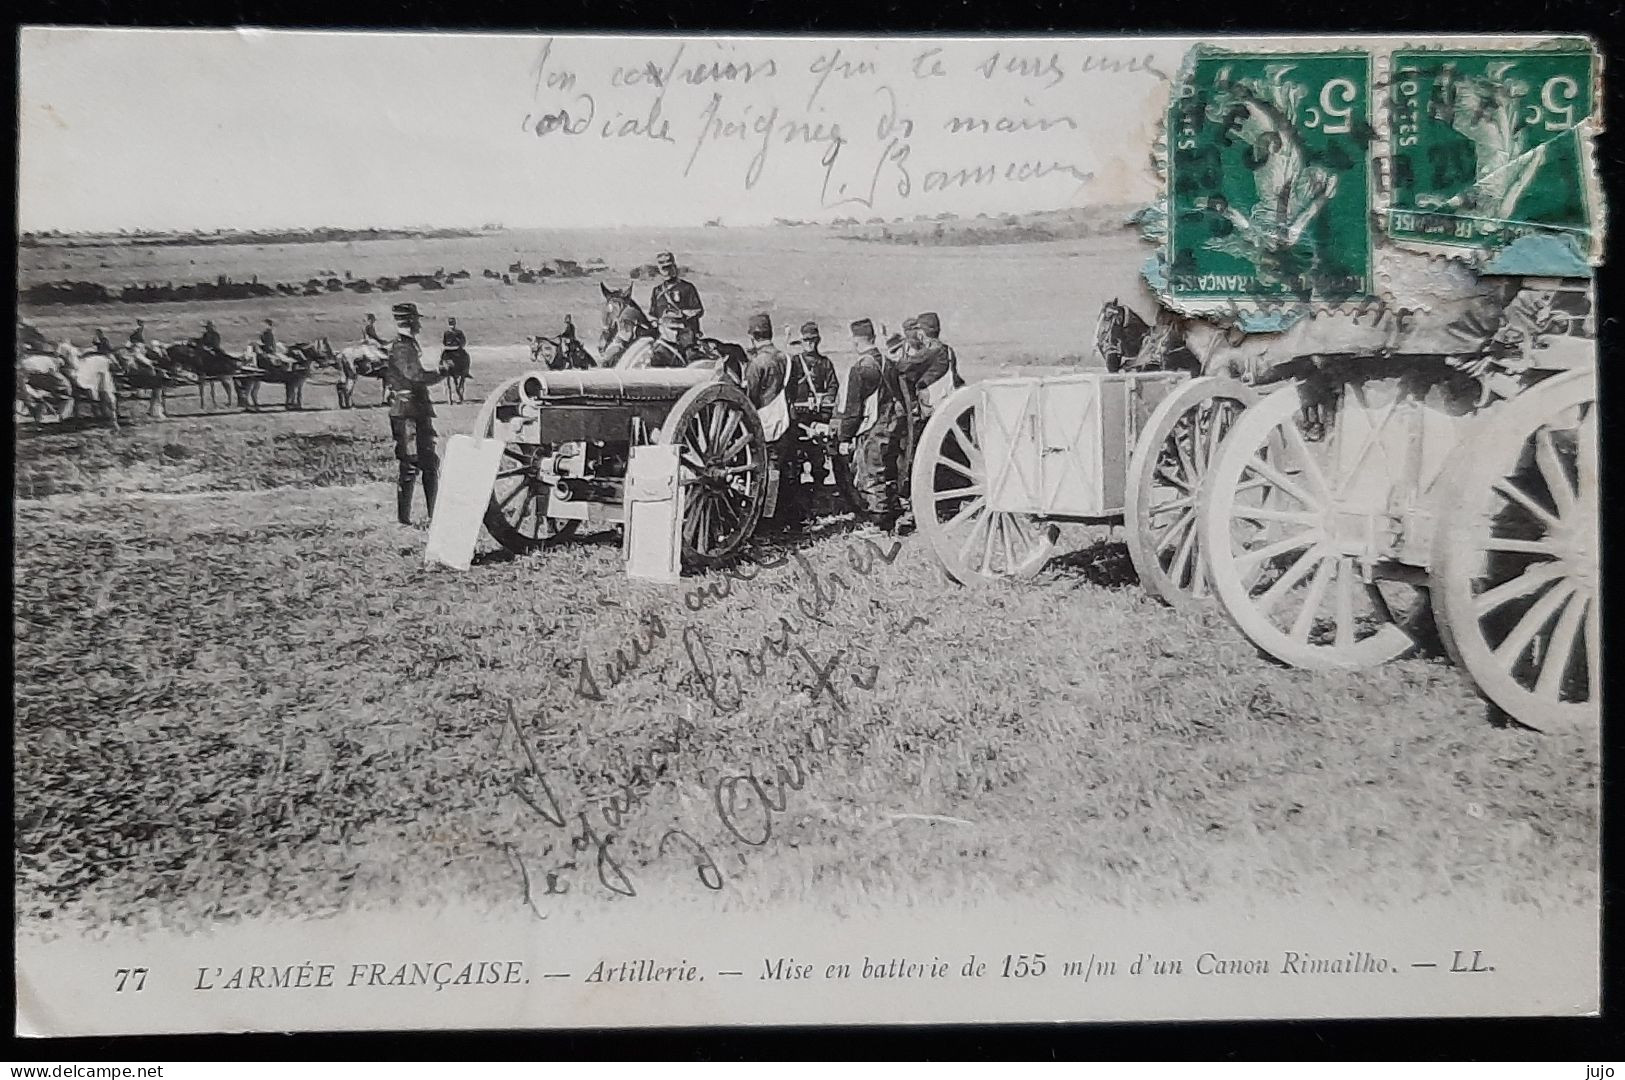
x,y
1515,561
724,457
974,544
1165,481
516,517
1266,518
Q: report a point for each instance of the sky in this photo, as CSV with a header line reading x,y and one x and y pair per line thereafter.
x,y
241,129
181,129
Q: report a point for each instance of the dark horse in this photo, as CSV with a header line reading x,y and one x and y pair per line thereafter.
x,y
625,324
215,369
456,368
305,356
1128,343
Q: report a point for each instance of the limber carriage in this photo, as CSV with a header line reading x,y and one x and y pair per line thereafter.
x,y
1393,478
1002,463
1451,489
568,438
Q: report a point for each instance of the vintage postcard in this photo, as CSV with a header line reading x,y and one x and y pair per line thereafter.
x,y
547,531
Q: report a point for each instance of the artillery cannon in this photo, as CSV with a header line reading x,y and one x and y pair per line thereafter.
x,y
568,437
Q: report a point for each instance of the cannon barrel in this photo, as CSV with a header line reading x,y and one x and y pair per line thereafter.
x,y
600,384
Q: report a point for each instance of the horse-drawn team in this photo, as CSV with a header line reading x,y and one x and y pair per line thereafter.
x,y
55,377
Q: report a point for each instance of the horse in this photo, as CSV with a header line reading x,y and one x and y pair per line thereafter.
x,y
212,368
43,385
1128,343
625,325
360,361
455,368
291,373
1119,333
68,377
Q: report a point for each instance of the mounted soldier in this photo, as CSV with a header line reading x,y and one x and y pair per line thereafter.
x,y
210,337
370,335
454,362
138,337
411,413
100,344
870,426
270,350
672,348
675,294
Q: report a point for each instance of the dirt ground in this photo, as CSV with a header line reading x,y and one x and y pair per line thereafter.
x,y
239,692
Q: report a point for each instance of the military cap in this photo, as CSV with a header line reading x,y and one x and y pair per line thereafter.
x,y
809,329
896,343
863,328
761,325
665,258
451,320
930,323
405,311
911,323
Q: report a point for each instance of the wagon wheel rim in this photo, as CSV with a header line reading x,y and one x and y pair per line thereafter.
x,y
516,514
1516,564
722,455
974,543
1166,473
1275,560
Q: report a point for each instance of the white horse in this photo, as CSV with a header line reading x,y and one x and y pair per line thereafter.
x,y
59,379
359,362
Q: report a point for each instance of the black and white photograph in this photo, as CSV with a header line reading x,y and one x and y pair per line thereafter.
x,y
568,531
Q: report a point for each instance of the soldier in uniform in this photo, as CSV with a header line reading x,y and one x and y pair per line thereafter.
x,y
811,387
870,427
269,349
138,336
370,336
100,344
675,294
670,350
411,413
765,383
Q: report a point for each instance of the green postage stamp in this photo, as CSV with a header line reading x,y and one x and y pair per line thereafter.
x,y
1487,145
1269,178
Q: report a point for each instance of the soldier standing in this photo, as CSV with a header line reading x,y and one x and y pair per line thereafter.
x,y
811,387
675,294
870,426
765,381
938,363
411,413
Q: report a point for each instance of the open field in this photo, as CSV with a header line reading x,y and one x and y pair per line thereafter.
x,y
238,691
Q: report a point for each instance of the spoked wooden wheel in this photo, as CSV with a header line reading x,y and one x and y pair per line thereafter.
x,y
974,543
724,470
516,517
1165,481
1515,561
1283,548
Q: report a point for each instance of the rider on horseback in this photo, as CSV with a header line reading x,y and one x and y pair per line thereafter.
x,y
270,350
370,336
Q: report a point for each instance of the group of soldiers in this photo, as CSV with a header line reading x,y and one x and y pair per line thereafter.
x,y
891,390
890,393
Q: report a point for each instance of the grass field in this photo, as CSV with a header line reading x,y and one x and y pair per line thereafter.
x,y
239,692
